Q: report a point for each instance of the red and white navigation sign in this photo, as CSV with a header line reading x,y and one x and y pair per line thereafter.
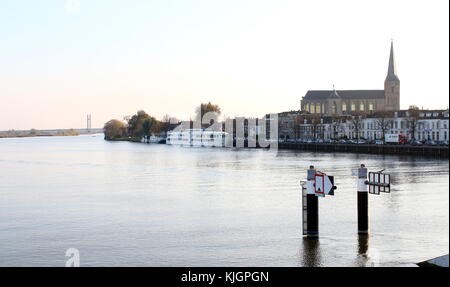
x,y
324,185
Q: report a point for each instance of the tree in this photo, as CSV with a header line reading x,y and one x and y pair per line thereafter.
x,y
166,118
315,121
298,120
150,126
383,123
168,123
114,129
336,126
413,121
356,122
142,124
207,108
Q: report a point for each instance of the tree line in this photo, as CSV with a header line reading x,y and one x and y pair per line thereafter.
x,y
142,124
136,126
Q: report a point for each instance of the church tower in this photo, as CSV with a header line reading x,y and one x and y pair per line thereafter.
x,y
392,85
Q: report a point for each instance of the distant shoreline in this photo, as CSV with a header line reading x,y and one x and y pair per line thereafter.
x,y
47,133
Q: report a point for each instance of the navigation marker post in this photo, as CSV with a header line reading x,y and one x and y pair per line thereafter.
x,y
378,182
363,201
312,203
318,184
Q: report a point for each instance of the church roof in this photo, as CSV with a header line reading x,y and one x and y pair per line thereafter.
x,y
334,94
344,94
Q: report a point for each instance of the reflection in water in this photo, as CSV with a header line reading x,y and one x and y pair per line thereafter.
x,y
363,250
363,244
311,252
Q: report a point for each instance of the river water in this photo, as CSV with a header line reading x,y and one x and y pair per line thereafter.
x,y
131,204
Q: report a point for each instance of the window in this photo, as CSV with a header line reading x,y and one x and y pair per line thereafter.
x,y
344,107
318,108
361,107
307,107
353,107
312,109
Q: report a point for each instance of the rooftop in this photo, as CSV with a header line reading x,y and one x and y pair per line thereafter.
x,y
344,94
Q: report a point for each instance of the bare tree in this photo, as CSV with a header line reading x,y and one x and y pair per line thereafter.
x,y
297,122
383,123
413,121
166,118
336,126
356,121
316,122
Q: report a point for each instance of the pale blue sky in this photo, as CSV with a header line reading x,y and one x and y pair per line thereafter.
x,y
111,58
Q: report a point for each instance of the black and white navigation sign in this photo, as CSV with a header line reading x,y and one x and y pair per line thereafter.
x,y
379,182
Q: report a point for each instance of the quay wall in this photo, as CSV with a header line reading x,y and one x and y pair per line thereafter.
x,y
432,151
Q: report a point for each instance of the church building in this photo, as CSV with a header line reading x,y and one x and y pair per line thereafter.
x,y
347,102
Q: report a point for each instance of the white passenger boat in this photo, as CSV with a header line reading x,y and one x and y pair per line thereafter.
x,y
196,138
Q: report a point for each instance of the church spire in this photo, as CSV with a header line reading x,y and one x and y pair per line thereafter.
x,y
392,71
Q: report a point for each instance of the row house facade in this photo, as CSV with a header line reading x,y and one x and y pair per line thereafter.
x,y
418,125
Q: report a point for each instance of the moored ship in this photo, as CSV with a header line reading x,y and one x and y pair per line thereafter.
x,y
197,138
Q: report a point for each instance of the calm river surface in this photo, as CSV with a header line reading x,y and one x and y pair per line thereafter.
x,y
131,204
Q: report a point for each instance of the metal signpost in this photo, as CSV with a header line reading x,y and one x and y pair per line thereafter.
x,y
318,185
363,201
377,182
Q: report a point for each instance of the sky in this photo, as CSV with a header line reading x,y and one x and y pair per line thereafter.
x,y
63,59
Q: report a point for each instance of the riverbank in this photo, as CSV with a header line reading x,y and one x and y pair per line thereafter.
x,y
47,133
432,151
35,133
125,139
428,151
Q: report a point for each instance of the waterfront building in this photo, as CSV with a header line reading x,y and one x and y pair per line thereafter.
x,y
433,125
414,124
347,102
288,123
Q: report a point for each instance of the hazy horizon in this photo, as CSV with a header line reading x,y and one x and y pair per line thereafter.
x,y
61,60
